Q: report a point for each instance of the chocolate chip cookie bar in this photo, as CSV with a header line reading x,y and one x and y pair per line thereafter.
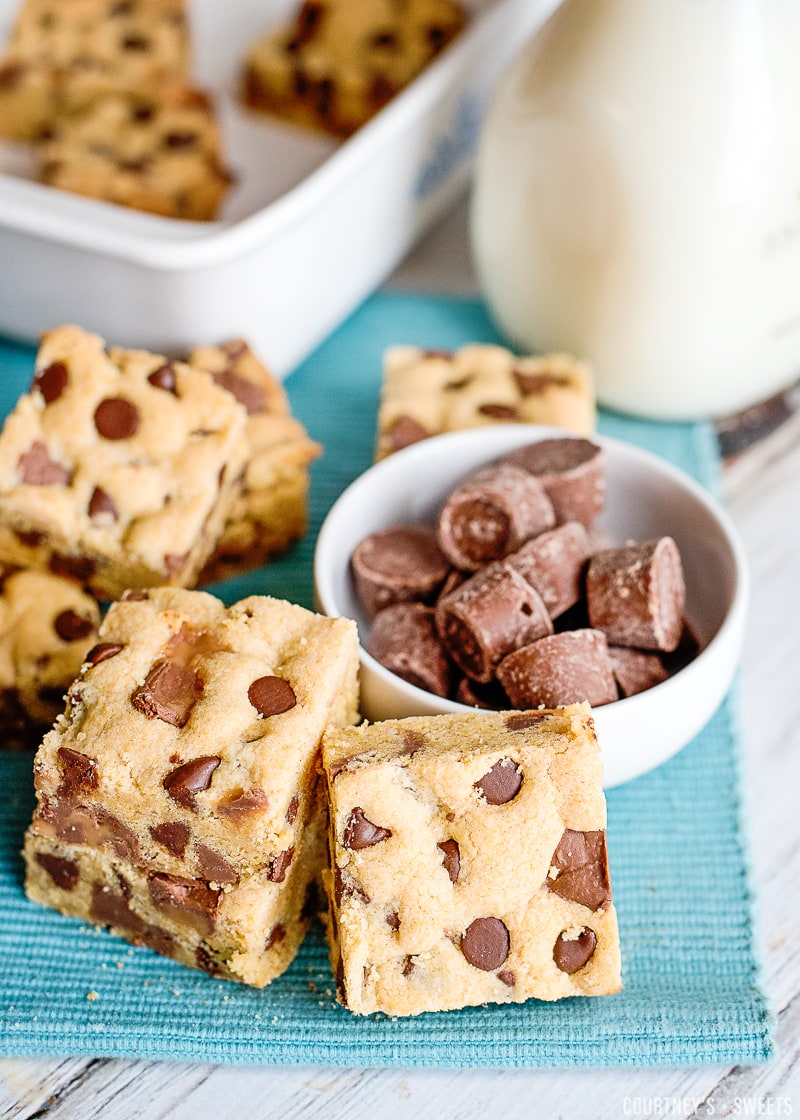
x,y
468,861
177,798
119,471
428,392
338,62
62,56
47,624
154,151
271,510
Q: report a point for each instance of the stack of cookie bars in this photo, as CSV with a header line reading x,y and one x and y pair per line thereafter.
x,y
103,89
206,774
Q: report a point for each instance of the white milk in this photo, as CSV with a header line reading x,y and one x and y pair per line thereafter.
x,y
637,199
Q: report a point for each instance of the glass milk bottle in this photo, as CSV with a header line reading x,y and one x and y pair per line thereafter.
x,y
637,199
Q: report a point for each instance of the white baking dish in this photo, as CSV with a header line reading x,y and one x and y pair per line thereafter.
x,y
310,228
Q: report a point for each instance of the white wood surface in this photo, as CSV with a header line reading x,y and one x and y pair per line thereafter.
x,y
765,507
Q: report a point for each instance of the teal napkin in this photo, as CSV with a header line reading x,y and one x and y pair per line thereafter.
x,y
691,983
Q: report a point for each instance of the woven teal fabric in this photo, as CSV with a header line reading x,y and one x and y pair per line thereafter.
x,y
691,991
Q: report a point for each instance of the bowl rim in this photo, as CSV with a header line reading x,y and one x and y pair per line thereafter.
x,y
729,628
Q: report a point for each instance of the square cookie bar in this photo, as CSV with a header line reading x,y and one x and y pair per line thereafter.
x,y
468,861
155,151
179,792
47,624
119,474
64,53
271,510
339,61
428,392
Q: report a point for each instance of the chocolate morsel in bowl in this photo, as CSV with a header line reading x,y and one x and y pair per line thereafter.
x,y
572,472
636,669
489,615
553,563
493,512
560,669
398,565
404,640
636,594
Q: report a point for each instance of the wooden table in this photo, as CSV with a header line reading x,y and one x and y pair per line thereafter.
x,y
764,501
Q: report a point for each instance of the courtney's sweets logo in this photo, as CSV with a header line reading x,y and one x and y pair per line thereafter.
x,y
451,147
701,1107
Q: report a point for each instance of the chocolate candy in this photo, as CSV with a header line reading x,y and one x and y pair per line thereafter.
x,y
486,943
553,563
636,669
404,639
636,594
399,565
560,669
270,696
572,474
491,514
36,468
573,949
491,614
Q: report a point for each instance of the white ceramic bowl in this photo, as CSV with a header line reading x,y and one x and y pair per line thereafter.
x,y
646,497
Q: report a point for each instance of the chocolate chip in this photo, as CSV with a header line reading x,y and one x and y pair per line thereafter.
x,y
532,384
249,801
36,468
159,941
116,418
404,431
214,866
500,412
275,936
345,886
71,626
191,778
412,742
11,75
111,909
31,539
291,810
102,652
190,900
486,943
172,835
507,977
581,861
501,783
80,568
572,953
78,772
135,43
451,858
437,38
271,695
279,865
408,966
101,506
142,114
362,833
64,872
393,920
519,721
178,140
164,378
51,381
248,393
168,693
